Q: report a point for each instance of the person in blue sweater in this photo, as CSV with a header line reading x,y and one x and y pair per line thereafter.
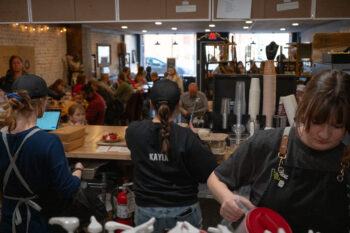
x,y
33,163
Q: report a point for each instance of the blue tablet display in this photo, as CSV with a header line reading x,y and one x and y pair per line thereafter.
x,y
49,121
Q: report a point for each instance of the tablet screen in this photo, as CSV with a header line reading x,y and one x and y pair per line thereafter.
x,y
50,120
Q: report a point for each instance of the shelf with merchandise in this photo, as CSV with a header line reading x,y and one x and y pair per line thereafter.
x,y
301,54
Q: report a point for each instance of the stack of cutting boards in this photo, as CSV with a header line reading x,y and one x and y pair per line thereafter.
x,y
72,137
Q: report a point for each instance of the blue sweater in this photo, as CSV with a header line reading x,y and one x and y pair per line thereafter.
x,y
44,167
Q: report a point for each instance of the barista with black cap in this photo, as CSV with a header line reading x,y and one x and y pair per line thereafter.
x,y
33,162
169,162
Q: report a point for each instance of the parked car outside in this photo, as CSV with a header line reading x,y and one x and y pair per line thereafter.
x,y
160,67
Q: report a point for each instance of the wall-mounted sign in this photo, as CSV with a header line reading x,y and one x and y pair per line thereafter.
x,y
186,7
234,9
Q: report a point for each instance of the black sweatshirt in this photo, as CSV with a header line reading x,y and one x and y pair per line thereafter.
x,y
167,180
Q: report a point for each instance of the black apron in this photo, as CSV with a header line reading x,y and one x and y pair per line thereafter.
x,y
28,202
308,199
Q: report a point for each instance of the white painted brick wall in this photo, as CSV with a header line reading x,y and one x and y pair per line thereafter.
x,y
111,39
49,49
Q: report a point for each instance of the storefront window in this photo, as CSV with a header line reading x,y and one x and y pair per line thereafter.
x,y
182,47
252,46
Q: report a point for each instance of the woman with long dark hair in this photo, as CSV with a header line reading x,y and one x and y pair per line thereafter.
x,y
57,89
169,162
16,69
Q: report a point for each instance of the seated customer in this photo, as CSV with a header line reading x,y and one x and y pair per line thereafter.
x,y
146,108
124,90
57,89
81,80
126,71
95,112
193,101
154,77
76,115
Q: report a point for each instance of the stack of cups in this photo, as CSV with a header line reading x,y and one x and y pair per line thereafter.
x,y
254,98
225,110
269,98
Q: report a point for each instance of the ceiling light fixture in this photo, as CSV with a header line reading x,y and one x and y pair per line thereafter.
x,y
212,25
157,43
248,22
158,23
245,27
144,31
175,43
282,29
174,28
124,27
207,30
295,24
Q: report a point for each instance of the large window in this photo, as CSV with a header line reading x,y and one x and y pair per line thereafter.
x,y
182,47
253,46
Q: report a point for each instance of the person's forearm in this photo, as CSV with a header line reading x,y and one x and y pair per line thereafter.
x,y
200,110
218,189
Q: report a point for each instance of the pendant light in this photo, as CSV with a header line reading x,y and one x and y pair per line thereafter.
x,y
157,43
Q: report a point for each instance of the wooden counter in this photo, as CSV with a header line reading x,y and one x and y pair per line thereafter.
x,y
93,133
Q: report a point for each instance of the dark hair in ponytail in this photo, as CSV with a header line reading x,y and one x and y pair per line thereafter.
x,y
164,113
14,107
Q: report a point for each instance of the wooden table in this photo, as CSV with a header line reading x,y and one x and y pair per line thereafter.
x,y
93,133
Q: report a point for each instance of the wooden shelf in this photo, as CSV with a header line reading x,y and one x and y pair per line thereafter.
x,y
303,54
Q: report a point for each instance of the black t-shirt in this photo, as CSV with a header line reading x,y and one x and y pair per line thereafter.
x,y
167,180
252,162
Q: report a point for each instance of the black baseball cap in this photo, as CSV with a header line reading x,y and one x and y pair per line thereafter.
x,y
165,91
33,84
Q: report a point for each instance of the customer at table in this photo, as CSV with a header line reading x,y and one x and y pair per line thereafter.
x,y
148,73
169,162
140,77
193,101
16,69
57,89
124,90
307,178
95,112
114,107
154,77
126,71
76,115
81,81
175,77
33,165
146,108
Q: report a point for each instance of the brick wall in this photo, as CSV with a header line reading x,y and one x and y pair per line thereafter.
x,y
106,38
49,49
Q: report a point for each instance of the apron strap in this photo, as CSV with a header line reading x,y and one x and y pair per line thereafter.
x,y
284,142
14,158
16,217
282,154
